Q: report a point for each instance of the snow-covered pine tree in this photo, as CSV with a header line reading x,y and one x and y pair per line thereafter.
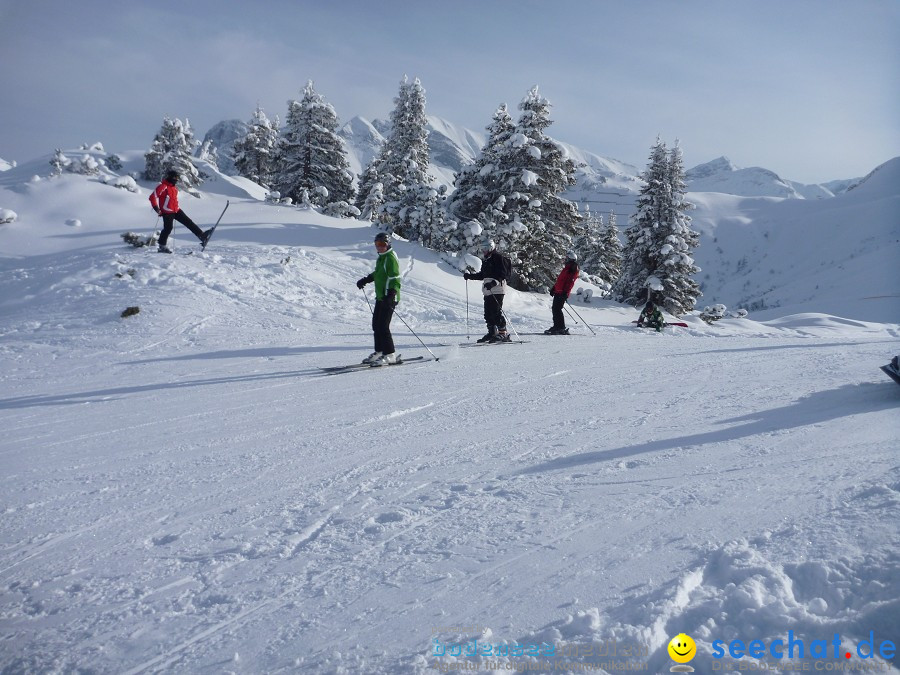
x,y
478,185
657,263
534,170
611,264
209,153
632,285
172,148
255,155
675,263
401,165
600,250
588,243
365,197
404,171
372,204
429,218
312,155
475,210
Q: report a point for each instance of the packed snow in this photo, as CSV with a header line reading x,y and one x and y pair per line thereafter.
x,y
184,490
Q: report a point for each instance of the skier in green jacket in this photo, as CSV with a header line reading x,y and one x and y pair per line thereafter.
x,y
652,317
387,294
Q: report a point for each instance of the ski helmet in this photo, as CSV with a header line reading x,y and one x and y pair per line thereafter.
x,y
650,305
487,244
571,255
171,175
383,238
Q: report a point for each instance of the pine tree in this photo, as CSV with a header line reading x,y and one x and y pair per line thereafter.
x,y
675,264
632,286
372,204
172,148
611,264
368,179
255,155
401,166
478,185
657,263
588,243
312,155
533,170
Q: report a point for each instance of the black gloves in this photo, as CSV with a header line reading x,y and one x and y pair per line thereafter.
x,y
467,276
365,280
158,212
490,284
392,298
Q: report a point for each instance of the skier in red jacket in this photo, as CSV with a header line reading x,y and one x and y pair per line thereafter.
x,y
560,293
164,200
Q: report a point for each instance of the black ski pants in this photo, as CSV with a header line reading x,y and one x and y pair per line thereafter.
x,y
559,320
381,326
493,313
169,223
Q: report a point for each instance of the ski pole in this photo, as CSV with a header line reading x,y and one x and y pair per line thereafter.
x,y
371,311
468,332
568,307
414,333
155,229
508,322
572,316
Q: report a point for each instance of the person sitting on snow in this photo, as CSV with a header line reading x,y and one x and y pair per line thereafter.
x,y
652,317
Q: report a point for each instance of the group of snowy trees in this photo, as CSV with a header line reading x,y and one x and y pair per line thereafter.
x,y
512,194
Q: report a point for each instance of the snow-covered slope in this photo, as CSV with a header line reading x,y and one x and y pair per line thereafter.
x,y
720,175
773,256
183,490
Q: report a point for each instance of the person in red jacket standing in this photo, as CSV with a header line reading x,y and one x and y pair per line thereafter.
x,y
560,293
164,200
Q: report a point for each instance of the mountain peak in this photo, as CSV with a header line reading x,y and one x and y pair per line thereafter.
x,y
719,165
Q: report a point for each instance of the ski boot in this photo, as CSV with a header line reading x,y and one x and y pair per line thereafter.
x,y
385,360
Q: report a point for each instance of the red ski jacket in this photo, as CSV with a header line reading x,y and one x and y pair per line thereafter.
x,y
165,198
566,280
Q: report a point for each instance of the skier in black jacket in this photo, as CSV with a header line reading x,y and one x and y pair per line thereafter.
x,y
495,270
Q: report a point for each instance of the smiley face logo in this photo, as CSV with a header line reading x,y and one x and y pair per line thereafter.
x,y
682,648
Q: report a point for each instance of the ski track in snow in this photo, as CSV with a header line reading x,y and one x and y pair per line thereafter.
x,y
179,488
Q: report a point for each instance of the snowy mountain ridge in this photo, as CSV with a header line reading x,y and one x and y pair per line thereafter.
x,y
720,175
453,147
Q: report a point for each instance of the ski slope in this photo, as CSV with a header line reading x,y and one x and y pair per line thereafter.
x,y
185,490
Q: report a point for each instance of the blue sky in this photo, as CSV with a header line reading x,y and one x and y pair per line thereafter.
x,y
809,89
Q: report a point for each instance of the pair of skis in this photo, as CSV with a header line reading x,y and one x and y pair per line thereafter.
x,y
674,323
337,370
488,344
